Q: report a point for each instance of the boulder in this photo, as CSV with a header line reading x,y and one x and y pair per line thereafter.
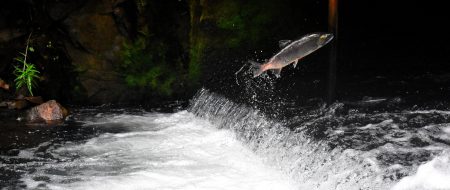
x,y
4,85
48,111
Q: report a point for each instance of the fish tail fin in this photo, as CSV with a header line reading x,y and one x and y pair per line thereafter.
x,y
256,68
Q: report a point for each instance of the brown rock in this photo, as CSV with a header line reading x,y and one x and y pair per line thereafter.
x,y
17,104
99,52
34,99
4,85
48,111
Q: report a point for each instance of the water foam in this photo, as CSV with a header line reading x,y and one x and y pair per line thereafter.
x,y
355,150
161,151
433,175
310,162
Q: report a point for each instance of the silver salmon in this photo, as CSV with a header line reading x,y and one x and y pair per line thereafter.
x,y
292,52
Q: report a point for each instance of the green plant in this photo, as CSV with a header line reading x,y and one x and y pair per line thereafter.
x,y
145,65
28,74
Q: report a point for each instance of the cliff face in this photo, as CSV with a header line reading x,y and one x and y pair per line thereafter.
x,y
95,52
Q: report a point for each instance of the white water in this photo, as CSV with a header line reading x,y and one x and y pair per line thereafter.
x,y
434,174
392,161
158,151
219,144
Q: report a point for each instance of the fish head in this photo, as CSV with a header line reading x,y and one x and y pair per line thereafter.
x,y
324,39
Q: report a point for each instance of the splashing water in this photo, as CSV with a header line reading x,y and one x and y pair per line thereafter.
x,y
219,144
151,151
326,149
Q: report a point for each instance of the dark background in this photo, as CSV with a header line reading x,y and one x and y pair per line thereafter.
x,y
409,36
385,48
405,42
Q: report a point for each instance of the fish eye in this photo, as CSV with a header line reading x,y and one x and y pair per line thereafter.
x,y
322,38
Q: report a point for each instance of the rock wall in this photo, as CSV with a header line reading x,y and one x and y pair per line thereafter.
x,y
141,52
94,51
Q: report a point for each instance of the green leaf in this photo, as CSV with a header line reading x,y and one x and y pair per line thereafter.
x,y
27,75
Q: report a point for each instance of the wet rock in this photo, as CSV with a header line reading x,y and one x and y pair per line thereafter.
x,y
21,102
4,85
48,111
17,104
34,99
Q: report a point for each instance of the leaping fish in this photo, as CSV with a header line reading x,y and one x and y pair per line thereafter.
x,y
292,52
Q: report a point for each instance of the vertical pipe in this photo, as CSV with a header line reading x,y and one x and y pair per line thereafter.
x,y
332,28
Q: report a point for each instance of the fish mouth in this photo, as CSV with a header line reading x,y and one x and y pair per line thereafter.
x,y
325,39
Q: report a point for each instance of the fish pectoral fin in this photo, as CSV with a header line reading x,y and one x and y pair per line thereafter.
x,y
277,72
284,43
295,63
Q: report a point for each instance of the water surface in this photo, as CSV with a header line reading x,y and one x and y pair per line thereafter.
x,y
146,150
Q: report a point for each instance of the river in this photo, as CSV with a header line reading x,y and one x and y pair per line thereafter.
x,y
218,144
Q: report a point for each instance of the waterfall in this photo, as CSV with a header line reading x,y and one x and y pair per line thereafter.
x,y
358,150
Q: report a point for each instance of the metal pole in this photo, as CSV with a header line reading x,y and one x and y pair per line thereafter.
x,y
332,28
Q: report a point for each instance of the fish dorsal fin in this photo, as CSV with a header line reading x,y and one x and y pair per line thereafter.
x,y
284,43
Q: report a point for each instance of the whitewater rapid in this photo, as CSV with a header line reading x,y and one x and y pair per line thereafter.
x,y
219,144
157,151
341,146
